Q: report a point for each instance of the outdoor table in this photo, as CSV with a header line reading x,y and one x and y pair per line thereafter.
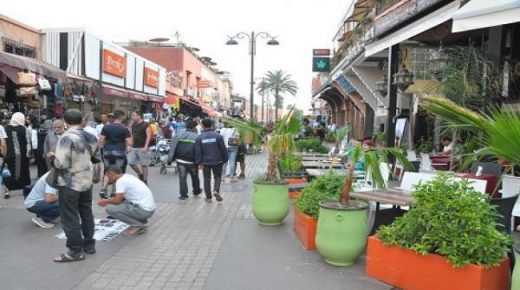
x,y
312,158
311,154
389,196
314,172
320,164
491,179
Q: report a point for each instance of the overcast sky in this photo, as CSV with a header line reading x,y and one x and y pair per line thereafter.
x,y
300,26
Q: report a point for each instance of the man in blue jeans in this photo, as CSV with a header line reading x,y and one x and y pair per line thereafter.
x,y
43,201
183,152
211,154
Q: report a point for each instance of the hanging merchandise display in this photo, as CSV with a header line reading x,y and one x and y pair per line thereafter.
x,y
44,84
26,78
27,91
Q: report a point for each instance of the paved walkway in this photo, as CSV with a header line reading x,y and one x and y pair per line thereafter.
x,y
189,245
181,247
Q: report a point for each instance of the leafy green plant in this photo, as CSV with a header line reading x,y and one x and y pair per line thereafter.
x,y
313,144
452,220
291,163
322,188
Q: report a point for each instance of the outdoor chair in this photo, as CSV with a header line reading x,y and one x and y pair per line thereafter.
x,y
487,168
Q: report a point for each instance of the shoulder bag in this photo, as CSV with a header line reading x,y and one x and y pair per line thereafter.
x,y
233,141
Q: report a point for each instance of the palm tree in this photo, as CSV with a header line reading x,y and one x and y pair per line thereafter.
x,y
278,83
500,129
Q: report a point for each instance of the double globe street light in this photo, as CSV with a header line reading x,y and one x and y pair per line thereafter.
x,y
252,51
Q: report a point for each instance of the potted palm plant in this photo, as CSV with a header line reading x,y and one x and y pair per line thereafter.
x,y
342,226
270,198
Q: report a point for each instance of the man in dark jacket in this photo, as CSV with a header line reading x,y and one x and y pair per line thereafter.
x,y
211,153
183,151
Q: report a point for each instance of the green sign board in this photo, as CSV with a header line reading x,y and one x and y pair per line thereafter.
x,y
320,64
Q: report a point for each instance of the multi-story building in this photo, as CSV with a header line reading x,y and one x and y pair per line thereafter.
x,y
200,82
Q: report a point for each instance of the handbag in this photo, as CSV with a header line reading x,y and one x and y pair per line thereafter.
x,y
96,173
27,91
26,78
6,173
44,84
52,178
233,141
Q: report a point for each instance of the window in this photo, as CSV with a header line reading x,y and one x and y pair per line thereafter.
x,y
421,64
18,48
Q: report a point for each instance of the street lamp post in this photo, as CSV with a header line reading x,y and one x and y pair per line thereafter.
x,y
252,51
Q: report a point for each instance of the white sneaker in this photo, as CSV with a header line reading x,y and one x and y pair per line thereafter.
x,y
42,224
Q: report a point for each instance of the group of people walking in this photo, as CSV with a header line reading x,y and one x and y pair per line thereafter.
x,y
71,150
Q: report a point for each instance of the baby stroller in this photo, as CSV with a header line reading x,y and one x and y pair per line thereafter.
x,y
163,148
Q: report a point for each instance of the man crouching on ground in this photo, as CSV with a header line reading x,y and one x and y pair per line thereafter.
x,y
138,204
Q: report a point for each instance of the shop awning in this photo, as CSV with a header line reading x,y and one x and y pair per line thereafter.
x,y
485,13
156,99
210,111
421,25
12,63
122,93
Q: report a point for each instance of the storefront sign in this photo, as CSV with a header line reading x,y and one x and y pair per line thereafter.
x,y
203,84
113,92
401,12
114,63
320,52
151,77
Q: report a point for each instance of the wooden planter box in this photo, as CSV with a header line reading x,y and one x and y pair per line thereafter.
x,y
305,228
293,194
403,268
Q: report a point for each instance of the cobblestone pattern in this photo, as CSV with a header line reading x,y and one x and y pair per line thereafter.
x,y
181,245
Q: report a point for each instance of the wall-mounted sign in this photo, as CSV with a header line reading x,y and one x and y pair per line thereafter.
x,y
114,63
203,84
151,77
320,64
322,52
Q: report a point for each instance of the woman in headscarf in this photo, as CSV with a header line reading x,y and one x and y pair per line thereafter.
x,y
38,153
17,157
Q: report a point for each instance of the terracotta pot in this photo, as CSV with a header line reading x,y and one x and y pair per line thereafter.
x,y
249,137
305,228
293,192
404,268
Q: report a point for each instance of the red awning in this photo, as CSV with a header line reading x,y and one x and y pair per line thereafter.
x,y
157,99
122,93
210,111
171,99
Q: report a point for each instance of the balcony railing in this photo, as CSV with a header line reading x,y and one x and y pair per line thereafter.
x,y
352,47
392,13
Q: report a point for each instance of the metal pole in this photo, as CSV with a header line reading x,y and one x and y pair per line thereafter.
x,y
252,52
263,96
393,67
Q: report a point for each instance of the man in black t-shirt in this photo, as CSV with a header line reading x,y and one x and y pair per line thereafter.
x,y
138,157
115,139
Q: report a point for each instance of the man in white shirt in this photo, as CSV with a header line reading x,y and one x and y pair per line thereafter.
x,y
448,146
104,121
87,128
138,204
43,201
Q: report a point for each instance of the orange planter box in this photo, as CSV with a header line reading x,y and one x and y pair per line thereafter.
x,y
292,193
408,270
305,228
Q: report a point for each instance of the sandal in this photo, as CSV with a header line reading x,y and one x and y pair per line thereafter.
x,y
65,257
7,196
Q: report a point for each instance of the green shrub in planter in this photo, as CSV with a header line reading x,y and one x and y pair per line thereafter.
x,y
450,220
313,144
322,188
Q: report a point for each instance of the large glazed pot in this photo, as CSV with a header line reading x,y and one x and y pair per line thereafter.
x,y
270,203
341,233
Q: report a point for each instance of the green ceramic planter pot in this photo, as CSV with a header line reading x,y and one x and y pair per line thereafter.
x,y
515,276
341,234
270,203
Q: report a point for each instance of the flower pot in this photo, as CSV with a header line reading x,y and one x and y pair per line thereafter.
x,y
270,203
305,228
515,276
404,268
249,137
341,232
295,186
